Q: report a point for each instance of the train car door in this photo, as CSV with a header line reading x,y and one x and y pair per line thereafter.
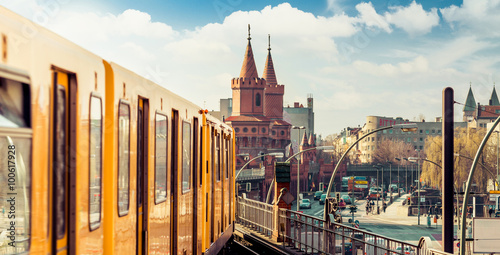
x,y
174,169
142,176
63,164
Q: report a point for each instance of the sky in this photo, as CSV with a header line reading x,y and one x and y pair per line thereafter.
x,y
357,58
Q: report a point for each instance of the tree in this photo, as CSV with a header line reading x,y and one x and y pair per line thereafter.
x,y
388,150
466,144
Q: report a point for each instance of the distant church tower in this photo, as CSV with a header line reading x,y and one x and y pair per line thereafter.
x,y
274,93
248,89
470,106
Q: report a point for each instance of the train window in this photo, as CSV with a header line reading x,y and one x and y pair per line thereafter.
x,y
14,104
186,156
201,156
161,158
95,164
15,170
123,158
217,157
227,158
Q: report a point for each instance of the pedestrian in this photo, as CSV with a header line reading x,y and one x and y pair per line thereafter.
x,y
384,205
490,211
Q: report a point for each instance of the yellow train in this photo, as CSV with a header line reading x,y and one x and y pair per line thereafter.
x,y
95,159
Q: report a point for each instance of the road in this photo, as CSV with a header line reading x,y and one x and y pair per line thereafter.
x,y
394,223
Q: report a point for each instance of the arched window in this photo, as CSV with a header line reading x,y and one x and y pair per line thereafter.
x,y
257,99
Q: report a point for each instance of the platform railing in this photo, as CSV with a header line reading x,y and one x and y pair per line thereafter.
x,y
305,234
255,215
312,235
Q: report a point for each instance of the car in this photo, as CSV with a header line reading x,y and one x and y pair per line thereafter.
x,y
346,198
358,244
347,247
497,215
322,199
305,203
394,187
408,250
317,195
342,204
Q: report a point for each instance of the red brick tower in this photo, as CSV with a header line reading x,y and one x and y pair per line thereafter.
x,y
273,107
248,89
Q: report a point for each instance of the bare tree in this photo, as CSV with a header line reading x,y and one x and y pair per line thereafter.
x,y
466,143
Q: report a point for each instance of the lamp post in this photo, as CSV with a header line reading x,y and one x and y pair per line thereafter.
x,y
298,166
485,168
276,154
378,195
404,127
290,158
498,142
398,159
469,181
390,180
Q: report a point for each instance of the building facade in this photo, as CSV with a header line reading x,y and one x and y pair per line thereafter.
x,y
257,110
478,115
417,139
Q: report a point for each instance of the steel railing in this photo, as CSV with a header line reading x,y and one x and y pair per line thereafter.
x,y
255,215
311,235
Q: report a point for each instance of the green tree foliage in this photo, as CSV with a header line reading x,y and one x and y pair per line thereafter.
x,y
466,144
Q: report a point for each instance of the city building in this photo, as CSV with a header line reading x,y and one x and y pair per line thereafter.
x,y
298,115
477,115
369,145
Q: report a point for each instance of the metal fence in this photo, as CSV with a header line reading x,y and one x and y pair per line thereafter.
x,y
305,234
255,215
312,235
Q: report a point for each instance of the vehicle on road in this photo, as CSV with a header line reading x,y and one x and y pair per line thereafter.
x,y
393,187
317,195
305,203
345,183
322,199
374,192
497,215
342,204
346,198
408,250
356,242
358,185
347,247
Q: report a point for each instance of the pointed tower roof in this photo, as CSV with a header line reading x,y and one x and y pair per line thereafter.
x,y
494,97
249,70
304,139
470,102
269,74
312,140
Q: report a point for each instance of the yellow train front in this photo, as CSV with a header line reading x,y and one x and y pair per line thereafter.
x,y
95,159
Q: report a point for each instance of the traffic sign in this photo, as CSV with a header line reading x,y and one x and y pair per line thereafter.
x,y
356,225
356,222
458,244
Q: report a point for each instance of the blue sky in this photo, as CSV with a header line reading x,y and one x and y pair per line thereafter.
x,y
358,58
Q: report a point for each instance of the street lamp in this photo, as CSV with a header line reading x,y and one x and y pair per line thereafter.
x,y
485,168
404,127
298,165
290,158
378,195
469,181
398,159
418,177
390,180
276,154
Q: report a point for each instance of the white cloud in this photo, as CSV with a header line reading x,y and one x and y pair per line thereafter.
x,y
369,16
413,19
418,65
479,17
